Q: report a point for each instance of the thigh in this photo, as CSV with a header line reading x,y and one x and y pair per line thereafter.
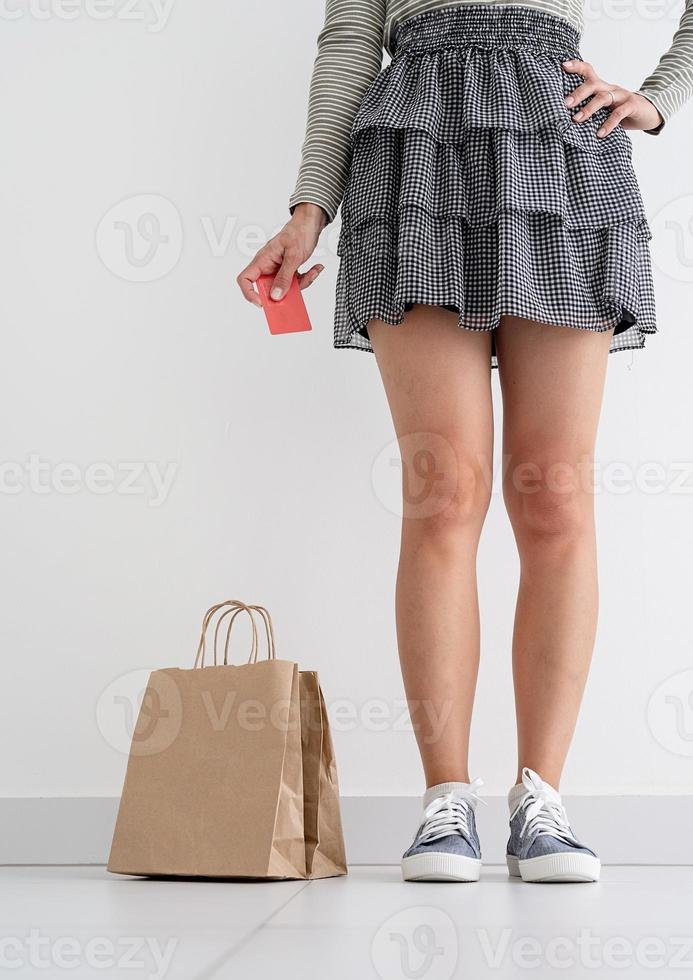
x,y
552,382
437,378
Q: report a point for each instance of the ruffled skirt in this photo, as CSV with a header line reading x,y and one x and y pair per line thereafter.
x,y
471,188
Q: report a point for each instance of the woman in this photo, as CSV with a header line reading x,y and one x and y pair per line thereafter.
x,y
491,217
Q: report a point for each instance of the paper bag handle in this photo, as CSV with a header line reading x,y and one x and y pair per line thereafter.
x,y
233,612
269,633
232,608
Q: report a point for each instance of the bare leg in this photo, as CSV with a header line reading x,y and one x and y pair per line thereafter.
x,y
437,380
552,380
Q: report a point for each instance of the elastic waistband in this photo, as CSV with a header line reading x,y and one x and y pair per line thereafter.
x,y
488,26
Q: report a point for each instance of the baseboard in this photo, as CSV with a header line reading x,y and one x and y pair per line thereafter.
x,y
377,828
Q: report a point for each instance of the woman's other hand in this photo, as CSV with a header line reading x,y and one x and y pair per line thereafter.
x,y
284,253
631,110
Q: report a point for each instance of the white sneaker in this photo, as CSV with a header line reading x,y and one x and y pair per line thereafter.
x,y
446,846
542,845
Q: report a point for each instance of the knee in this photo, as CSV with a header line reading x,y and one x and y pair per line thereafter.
x,y
552,509
455,508
553,514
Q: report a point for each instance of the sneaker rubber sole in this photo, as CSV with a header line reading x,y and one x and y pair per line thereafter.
x,y
562,866
440,867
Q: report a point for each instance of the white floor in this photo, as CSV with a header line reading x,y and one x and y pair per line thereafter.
x,y
83,922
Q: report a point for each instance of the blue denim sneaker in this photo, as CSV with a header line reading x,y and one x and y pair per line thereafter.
x,y
446,846
542,845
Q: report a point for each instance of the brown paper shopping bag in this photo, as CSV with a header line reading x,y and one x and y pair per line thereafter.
x,y
231,770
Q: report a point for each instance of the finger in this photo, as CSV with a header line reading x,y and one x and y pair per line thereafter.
x,y
594,105
247,279
282,280
613,119
581,93
575,67
306,279
265,263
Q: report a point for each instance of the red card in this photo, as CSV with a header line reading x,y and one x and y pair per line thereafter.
x,y
287,315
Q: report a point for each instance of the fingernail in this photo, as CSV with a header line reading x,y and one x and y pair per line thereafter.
x,y
276,293
569,101
600,132
578,115
567,64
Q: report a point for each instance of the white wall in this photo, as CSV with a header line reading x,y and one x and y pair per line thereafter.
x,y
273,441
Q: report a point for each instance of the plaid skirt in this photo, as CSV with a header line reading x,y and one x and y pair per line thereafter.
x,y
471,188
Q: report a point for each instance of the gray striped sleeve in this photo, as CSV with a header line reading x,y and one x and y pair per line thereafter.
x,y
350,55
671,83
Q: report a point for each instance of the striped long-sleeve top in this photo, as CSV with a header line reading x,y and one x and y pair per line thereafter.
x,y
349,57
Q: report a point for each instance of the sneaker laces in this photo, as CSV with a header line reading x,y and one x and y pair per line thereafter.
x,y
544,810
449,814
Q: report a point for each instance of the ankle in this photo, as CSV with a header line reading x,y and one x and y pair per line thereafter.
x,y
548,774
436,777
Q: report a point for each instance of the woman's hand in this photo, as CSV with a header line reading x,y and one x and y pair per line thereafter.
x,y
294,244
631,110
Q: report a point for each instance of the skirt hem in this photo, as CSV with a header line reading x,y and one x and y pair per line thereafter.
x,y
396,320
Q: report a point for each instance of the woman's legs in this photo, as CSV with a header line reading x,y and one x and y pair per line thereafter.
x,y
437,381
552,380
